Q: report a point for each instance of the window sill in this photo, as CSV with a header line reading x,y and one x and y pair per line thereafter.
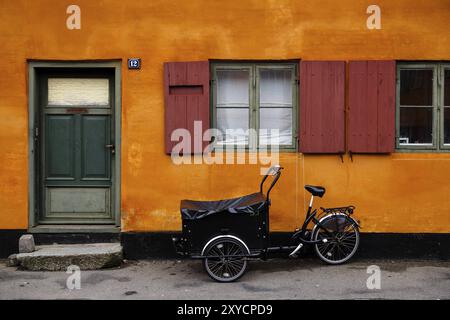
x,y
421,150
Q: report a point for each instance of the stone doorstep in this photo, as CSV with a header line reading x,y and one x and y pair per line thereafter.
x,y
56,257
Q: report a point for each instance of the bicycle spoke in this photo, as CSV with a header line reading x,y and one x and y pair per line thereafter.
x,y
348,243
333,251
226,249
230,272
235,250
326,248
234,264
341,252
349,236
220,250
234,268
214,263
217,267
351,246
215,251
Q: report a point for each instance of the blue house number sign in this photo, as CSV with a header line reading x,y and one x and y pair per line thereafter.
x,y
134,63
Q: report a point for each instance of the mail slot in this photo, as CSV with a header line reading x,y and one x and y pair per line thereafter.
x,y
77,110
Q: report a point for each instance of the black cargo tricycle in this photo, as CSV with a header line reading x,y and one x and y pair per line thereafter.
x,y
228,233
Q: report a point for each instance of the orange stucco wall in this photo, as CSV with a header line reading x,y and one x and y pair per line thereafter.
x,y
393,193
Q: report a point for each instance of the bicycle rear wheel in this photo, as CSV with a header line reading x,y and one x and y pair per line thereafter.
x,y
342,239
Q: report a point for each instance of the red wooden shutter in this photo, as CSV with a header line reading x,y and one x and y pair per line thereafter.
x,y
186,95
371,106
322,102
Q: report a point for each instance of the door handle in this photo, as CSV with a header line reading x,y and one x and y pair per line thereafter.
x,y
112,147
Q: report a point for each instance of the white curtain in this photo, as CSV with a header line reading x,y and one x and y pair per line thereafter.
x,y
233,125
233,106
279,119
275,107
232,88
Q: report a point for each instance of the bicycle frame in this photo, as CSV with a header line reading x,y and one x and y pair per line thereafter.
x,y
310,216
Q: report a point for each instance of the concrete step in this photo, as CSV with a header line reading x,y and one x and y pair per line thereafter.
x,y
58,257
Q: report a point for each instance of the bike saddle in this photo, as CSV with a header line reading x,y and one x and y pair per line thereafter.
x,y
315,190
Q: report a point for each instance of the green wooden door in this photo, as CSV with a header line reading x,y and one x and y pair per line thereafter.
x,y
76,148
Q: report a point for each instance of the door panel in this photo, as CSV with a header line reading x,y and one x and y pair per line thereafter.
x,y
95,156
60,151
77,128
85,202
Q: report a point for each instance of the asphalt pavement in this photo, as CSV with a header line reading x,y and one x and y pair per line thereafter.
x,y
305,278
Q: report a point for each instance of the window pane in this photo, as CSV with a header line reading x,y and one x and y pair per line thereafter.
x,y
275,87
446,125
78,92
416,125
275,118
447,87
232,88
416,87
233,125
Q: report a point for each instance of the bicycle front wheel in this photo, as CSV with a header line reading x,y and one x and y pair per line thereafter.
x,y
226,260
342,239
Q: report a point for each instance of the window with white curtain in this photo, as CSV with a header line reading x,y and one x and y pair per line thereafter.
x,y
423,105
258,96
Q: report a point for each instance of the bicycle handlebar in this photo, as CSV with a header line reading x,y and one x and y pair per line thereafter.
x,y
274,171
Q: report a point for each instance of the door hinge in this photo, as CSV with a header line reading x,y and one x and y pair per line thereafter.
x,y
36,132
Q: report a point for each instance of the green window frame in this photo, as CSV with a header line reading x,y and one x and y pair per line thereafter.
x,y
438,108
254,89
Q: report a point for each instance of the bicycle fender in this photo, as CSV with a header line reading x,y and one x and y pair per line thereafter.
x,y
341,216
